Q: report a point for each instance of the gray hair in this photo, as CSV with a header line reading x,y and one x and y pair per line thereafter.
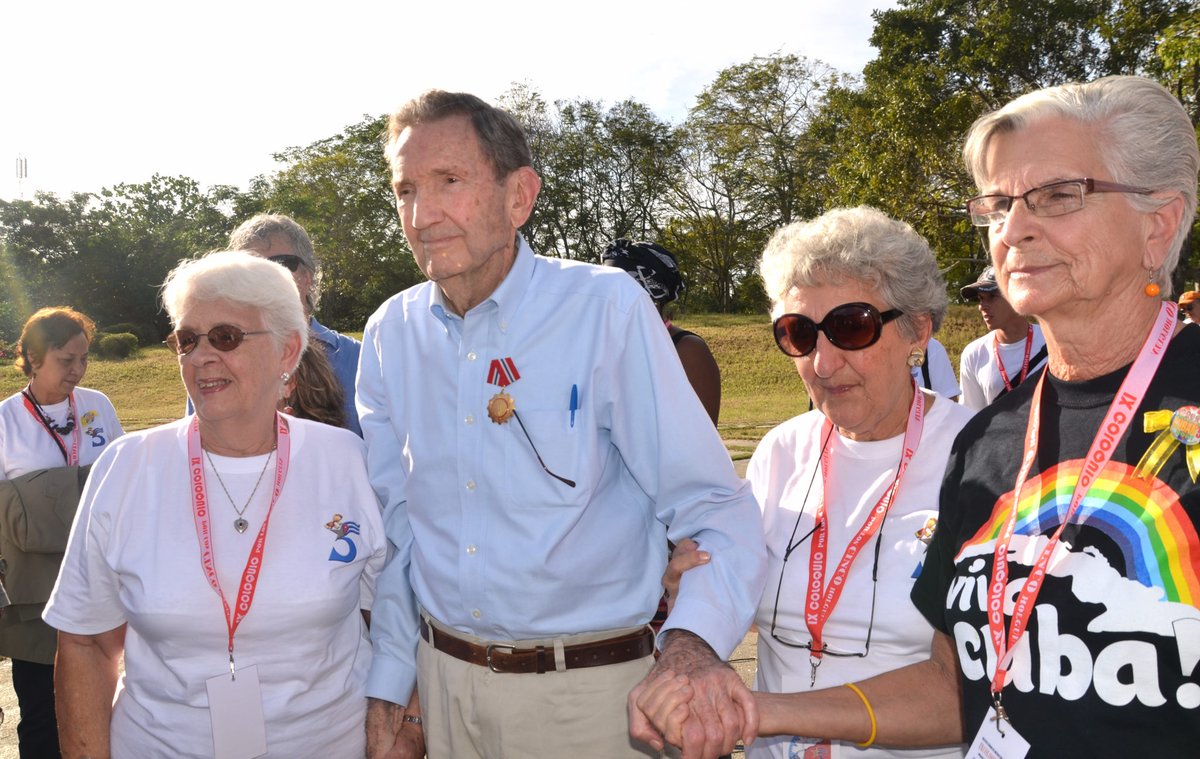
x,y
1143,133
241,278
857,245
501,137
256,232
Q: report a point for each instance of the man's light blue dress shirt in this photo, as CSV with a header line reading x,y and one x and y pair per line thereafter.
x,y
484,539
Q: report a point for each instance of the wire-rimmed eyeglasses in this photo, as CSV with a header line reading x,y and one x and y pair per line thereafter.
x,y
792,545
223,337
784,636
1054,199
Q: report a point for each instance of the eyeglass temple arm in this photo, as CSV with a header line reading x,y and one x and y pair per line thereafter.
x,y
564,480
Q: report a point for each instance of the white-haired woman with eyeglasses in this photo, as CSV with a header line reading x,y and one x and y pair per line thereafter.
x,y
849,490
227,555
1062,581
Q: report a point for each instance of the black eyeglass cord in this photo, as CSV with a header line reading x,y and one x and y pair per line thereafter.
x,y
64,429
56,431
793,544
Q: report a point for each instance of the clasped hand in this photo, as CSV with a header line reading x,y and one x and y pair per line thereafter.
x,y
691,698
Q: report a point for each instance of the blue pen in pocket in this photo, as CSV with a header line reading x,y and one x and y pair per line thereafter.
x,y
574,403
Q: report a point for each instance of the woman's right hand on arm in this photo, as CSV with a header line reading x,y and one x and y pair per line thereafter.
x,y
685,556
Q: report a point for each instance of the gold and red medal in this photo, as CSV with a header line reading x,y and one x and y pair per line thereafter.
x,y
502,373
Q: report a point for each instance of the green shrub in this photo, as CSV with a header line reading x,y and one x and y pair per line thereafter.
x,y
146,334
119,345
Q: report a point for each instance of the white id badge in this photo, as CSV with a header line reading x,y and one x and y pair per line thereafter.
x,y
991,744
239,730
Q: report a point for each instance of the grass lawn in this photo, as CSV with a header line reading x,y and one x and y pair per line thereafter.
x,y
759,385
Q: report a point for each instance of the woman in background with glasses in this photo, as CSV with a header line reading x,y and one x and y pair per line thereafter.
x,y
50,433
849,490
227,555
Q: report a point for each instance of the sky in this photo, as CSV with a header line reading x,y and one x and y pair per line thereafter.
x,y
96,94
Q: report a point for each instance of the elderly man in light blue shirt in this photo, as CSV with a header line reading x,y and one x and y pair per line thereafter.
x,y
534,441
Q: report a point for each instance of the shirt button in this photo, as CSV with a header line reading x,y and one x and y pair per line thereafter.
x,y
471,356
470,419
470,484
471,550
476,613
503,326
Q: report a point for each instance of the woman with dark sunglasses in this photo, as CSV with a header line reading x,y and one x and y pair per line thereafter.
x,y
226,556
848,490
50,433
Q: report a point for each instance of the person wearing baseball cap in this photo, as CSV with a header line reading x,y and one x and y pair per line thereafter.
x,y
1187,305
1012,350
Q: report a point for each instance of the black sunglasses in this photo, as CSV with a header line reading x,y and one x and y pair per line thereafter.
x,y
850,326
291,262
223,337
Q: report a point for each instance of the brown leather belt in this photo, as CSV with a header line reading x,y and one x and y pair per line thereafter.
x,y
499,657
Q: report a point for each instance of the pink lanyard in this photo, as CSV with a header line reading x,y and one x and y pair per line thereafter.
x,y
822,599
249,583
72,457
1024,363
1116,420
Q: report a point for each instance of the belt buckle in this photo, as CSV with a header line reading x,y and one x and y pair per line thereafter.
x,y
488,654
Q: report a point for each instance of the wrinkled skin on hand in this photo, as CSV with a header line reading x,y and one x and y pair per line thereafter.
x,y
693,700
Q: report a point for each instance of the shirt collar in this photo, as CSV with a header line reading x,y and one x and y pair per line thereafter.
x,y
321,332
505,299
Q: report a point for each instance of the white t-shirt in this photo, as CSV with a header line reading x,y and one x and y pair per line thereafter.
x,y
980,374
781,470
941,372
27,446
134,558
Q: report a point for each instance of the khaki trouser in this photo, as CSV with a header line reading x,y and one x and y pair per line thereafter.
x,y
471,712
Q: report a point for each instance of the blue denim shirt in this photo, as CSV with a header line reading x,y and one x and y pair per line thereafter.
x,y
342,352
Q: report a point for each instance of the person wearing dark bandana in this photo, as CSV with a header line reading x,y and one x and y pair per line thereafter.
x,y
655,269
50,433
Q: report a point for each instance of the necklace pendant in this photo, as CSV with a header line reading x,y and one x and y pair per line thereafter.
x,y
240,524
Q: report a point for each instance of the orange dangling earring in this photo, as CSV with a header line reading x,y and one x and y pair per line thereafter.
x,y
1152,289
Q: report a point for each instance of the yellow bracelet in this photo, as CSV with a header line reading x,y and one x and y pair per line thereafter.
x,y
870,713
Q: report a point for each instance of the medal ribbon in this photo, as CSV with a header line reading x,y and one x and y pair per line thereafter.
x,y
503,372
1118,417
72,457
1024,363
249,583
823,598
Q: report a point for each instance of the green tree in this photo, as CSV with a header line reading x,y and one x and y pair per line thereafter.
x,y
605,171
339,190
749,166
895,141
107,253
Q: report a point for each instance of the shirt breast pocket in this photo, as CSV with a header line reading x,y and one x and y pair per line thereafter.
x,y
545,458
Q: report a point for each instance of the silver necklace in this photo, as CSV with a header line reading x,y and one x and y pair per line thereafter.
x,y
240,524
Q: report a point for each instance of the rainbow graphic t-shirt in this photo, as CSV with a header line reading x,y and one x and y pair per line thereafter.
x,y
1110,663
